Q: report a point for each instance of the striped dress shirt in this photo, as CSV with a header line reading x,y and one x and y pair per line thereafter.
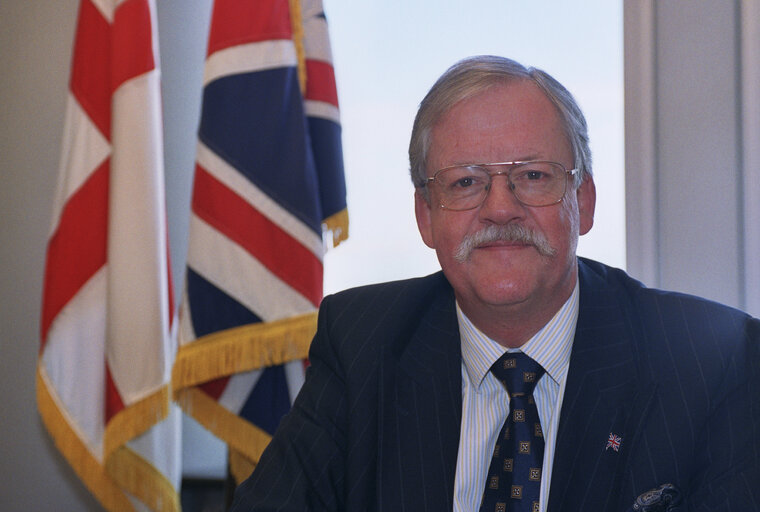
x,y
485,402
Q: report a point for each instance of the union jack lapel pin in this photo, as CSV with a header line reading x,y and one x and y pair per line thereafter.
x,y
613,442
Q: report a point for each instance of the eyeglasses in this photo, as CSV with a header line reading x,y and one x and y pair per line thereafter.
x,y
535,183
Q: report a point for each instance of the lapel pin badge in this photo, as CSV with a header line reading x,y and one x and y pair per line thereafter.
x,y
613,442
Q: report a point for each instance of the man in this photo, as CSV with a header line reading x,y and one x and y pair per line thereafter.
x,y
405,406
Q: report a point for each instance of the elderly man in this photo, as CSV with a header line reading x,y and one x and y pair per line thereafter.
x,y
521,378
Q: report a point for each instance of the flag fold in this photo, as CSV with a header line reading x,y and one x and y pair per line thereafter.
x,y
268,198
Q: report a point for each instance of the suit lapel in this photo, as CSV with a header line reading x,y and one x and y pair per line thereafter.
x,y
602,405
421,412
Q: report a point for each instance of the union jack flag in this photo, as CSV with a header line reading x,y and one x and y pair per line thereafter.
x,y
268,185
613,442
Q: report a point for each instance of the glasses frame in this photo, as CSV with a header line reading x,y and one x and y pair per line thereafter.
x,y
508,174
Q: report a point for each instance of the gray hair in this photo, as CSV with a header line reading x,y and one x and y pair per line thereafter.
x,y
473,75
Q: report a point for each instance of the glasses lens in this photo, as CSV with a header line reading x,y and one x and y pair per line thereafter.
x,y
538,183
533,184
462,188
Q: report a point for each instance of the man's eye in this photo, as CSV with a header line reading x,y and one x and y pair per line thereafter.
x,y
531,175
534,175
464,182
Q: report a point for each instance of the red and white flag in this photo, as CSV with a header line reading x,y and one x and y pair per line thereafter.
x,y
106,342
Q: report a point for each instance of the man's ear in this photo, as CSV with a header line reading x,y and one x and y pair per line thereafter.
x,y
586,195
422,213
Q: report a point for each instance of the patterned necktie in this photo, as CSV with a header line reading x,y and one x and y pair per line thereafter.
x,y
513,483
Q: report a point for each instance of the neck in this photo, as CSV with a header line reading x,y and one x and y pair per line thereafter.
x,y
512,325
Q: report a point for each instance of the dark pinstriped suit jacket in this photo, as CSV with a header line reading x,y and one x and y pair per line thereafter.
x,y
376,426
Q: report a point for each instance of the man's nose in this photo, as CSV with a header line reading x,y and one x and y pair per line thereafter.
x,y
500,204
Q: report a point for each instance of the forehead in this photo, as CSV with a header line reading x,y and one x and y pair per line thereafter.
x,y
512,121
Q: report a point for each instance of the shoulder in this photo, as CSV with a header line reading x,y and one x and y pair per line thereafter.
x,y
380,314
375,302
600,279
670,324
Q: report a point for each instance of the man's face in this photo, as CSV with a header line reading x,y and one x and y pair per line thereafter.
x,y
513,122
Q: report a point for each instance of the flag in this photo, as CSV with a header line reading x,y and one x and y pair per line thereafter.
x,y
106,347
613,442
268,184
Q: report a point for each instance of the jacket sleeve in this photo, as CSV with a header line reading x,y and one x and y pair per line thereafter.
x,y
302,469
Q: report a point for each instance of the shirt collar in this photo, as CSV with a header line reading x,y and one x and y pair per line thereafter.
x,y
550,346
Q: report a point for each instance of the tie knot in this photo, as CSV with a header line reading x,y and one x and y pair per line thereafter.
x,y
518,372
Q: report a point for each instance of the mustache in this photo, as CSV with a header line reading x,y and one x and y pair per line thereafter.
x,y
503,233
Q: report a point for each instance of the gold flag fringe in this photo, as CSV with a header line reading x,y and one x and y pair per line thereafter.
x,y
240,435
124,469
131,471
240,466
296,25
337,225
243,348
231,351
135,419
142,479
69,444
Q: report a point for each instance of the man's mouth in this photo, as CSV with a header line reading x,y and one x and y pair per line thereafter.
x,y
503,236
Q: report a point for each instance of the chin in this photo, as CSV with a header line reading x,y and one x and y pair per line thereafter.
x,y
502,297
503,291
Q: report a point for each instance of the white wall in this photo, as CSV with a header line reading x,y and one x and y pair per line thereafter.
x,y
36,41
692,172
